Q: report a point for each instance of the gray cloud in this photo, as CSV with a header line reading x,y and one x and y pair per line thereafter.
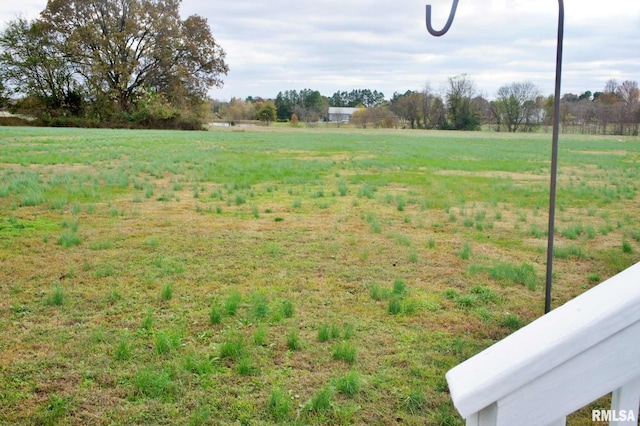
x,y
383,45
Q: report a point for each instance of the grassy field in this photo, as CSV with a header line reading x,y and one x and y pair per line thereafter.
x,y
270,276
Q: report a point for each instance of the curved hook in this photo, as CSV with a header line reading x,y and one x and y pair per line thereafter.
x,y
448,24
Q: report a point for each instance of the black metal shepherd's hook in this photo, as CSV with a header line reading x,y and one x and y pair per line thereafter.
x,y
447,25
556,132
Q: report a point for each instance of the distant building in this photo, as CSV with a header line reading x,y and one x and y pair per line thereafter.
x,y
341,115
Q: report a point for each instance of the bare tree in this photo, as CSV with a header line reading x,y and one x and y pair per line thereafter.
x,y
462,113
516,105
629,94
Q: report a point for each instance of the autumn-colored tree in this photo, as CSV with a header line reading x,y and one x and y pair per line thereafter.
x,y
268,113
113,53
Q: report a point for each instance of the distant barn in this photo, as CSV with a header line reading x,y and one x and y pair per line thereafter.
x,y
341,115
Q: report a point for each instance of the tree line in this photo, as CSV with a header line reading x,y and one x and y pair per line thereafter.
x,y
515,107
132,63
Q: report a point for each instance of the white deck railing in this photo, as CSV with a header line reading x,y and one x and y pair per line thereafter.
x,y
560,363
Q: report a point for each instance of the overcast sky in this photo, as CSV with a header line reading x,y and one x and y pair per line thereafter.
x,y
335,45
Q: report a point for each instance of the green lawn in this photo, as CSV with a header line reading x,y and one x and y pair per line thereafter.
x,y
275,275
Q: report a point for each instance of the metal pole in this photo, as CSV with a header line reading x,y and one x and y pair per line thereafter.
x,y
554,159
556,132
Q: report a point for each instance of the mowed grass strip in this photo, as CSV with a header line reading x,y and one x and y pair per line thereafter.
x,y
274,276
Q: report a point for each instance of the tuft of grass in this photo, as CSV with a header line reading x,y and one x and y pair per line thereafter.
x,y
286,309
376,292
321,401
232,303
215,316
344,351
57,409
167,292
123,350
349,384
343,188
524,274
484,294
395,306
465,252
399,287
567,252
259,306
572,232
432,243
245,367
154,384
57,296
197,364
293,340
415,402
279,405
401,203
200,416
260,336
69,239
232,347
147,321
101,245
334,331
512,322
32,198
466,301
323,333
167,340
626,247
